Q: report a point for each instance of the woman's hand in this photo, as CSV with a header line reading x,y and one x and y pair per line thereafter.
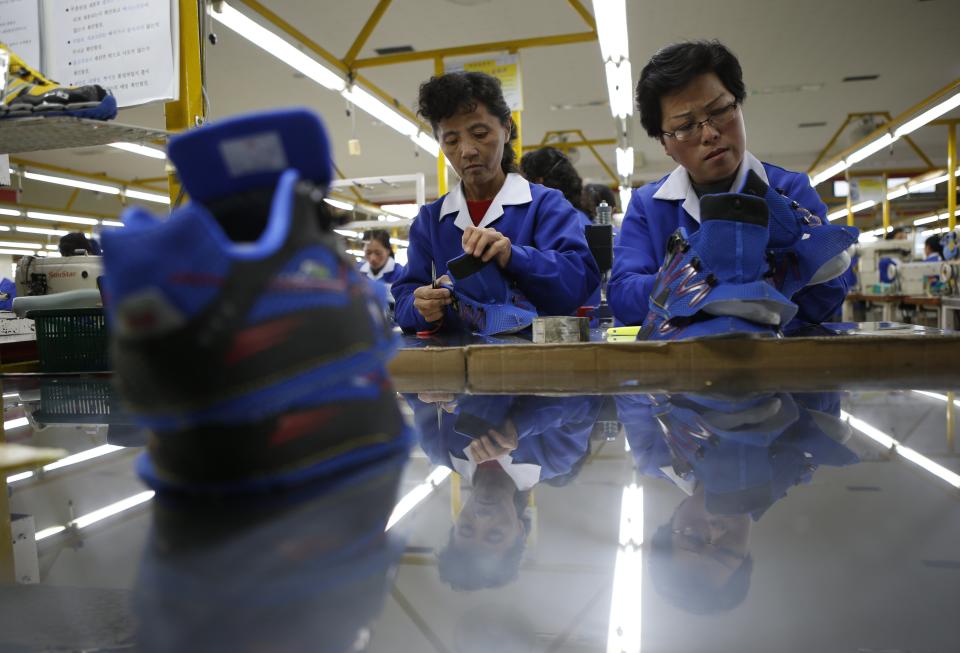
x,y
487,244
430,301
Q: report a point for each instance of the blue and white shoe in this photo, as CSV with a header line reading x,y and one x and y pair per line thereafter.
x,y
804,250
241,336
711,284
484,299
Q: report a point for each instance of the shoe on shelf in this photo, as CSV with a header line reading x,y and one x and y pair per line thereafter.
x,y
27,92
711,284
242,336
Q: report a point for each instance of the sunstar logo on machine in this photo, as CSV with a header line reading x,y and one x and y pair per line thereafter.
x,y
64,274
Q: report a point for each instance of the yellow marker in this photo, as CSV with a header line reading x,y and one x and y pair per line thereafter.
x,y
623,331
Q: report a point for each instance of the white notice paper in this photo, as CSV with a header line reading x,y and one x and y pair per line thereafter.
x,y
20,29
126,46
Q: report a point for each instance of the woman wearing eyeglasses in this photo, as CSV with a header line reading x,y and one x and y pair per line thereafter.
x,y
690,97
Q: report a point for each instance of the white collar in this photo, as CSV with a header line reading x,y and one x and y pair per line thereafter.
x,y
678,186
387,268
523,475
515,190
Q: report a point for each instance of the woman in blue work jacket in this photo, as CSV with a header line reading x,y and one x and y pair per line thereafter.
x,y
531,233
379,264
690,97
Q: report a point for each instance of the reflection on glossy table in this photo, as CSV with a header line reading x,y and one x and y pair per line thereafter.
x,y
656,522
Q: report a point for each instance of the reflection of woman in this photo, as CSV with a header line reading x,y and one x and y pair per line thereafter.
x,y
690,97
734,458
531,440
531,233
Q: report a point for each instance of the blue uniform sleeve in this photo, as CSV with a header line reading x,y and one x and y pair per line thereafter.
x,y
821,302
634,267
557,273
415,273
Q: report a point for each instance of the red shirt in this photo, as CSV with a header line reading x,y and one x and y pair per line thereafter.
x,y
478,209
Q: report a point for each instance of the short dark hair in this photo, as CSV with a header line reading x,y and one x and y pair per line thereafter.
x,y
593,194
555,170
444,96
933,242
675,66
466,571
690,592
893,233
75,241
381,236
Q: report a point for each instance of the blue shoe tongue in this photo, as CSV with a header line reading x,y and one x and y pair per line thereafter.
x,y
250,152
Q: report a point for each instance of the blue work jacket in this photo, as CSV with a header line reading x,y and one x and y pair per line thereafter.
x,y
550,262
659,209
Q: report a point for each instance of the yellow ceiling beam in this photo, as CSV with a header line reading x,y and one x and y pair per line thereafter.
x,y
584,14
479,48
367,30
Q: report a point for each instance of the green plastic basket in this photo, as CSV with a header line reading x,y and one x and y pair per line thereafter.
x,y
71,340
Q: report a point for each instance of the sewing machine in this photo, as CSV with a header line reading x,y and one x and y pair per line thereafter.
x,y
878,267
48,276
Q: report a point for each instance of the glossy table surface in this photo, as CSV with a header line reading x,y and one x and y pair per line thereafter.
x,y
647,521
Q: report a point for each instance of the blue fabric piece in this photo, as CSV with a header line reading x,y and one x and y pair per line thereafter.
x,y
291,294
553,432
486,304
8,290
743,470
251,151
550,262
641,248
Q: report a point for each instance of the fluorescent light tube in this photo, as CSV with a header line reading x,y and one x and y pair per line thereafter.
x,y
619,88
142,150
871,148
833,170
73,183
274,45
159,198
41,230
930,114
56,217
611,19
624,161
346,206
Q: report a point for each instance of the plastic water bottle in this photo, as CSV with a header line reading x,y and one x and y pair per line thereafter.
x,y
604,213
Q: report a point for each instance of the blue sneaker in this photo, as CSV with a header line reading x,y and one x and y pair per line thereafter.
x,y
804,250
241,336
485,301
711,284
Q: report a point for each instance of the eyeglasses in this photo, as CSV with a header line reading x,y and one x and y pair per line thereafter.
x,y
717,119
696,543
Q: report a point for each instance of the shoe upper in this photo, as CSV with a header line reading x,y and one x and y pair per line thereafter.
x,y
248,289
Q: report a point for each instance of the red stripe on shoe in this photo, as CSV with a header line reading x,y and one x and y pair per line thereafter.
x,y
257,339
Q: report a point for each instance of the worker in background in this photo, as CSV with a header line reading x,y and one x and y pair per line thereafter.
x,y
550,167
932,250
380,264
593,194
531,233
897,233
690,97
77,244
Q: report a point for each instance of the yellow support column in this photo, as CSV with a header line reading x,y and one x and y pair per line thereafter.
x,y
515,115
951,176
846,176
441,160
187,111
886,206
